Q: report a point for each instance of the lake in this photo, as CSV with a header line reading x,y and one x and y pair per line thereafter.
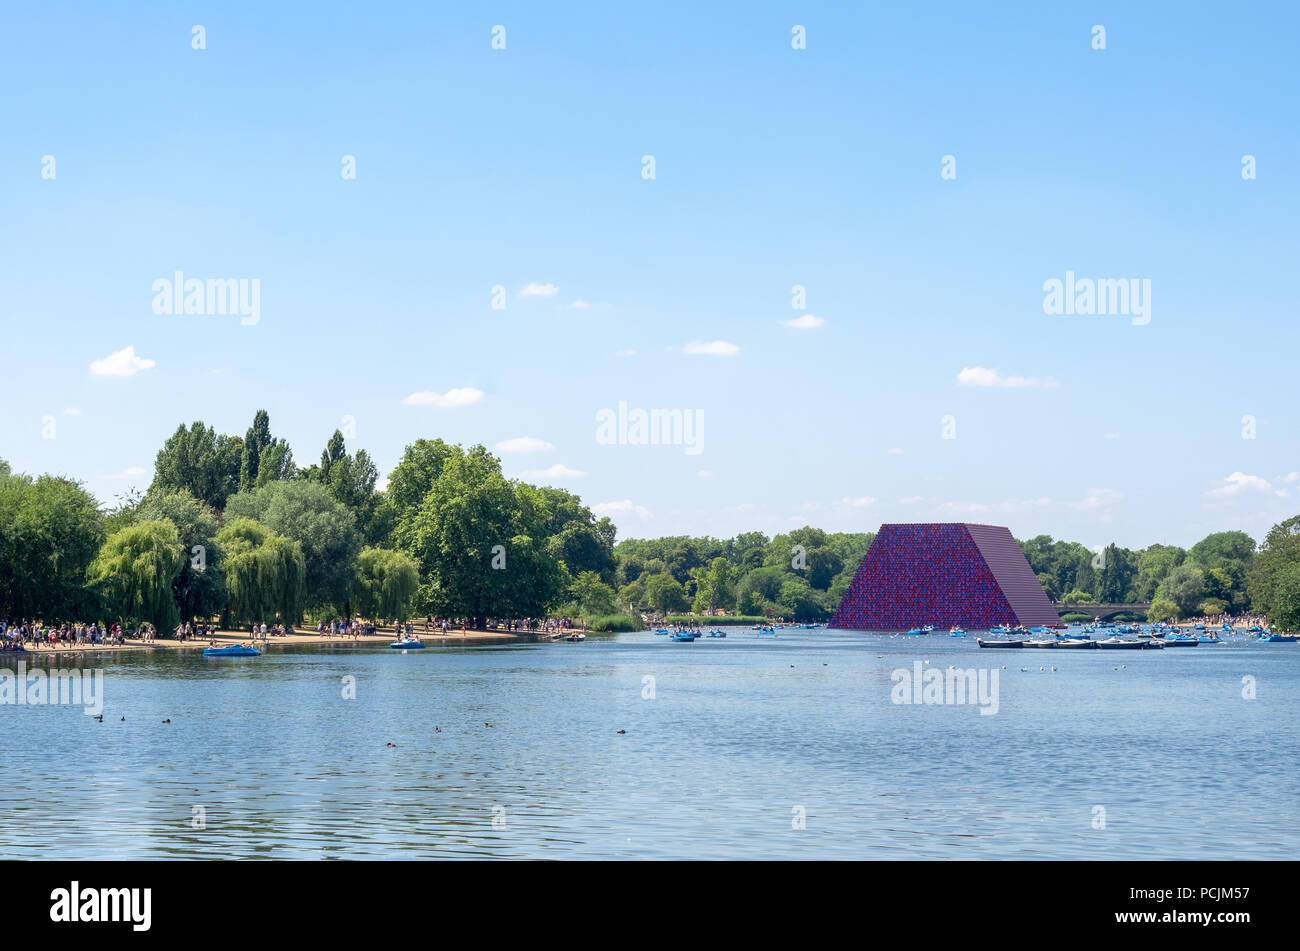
x,y
786,746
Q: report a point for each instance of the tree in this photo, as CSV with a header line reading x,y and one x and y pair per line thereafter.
x,y
50,531
1153,565
197,589
200,461
1185,587
387,584
665,594
1274,579
350,479
590,596
134,572
265,573
325,531
479,540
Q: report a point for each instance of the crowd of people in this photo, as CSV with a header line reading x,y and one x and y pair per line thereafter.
x,y
35,635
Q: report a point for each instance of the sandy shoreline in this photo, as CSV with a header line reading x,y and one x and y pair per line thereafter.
x,y
227,638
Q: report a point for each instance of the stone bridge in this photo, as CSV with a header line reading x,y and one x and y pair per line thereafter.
x,y
1103,611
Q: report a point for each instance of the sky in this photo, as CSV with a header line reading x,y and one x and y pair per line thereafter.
x,y
921,174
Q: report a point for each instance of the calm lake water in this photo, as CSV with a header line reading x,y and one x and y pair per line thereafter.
x,y
742,738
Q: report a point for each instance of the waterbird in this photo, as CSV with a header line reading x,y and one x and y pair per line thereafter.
x,y
393,745
123,719
100,718
168,720
621,732
487,724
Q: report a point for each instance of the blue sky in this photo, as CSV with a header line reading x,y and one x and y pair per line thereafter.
x,y
774,167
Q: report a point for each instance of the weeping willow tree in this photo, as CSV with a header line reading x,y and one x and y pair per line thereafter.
x,y
386,584
134,571
265,573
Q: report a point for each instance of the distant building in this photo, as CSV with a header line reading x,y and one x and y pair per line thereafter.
x,y
943,573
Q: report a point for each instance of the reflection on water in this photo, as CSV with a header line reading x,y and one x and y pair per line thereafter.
x,y
743,736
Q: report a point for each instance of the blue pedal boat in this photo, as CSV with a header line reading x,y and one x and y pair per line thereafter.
x,y
234,650
410,645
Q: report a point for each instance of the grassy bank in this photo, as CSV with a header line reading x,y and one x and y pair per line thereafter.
x,y
614,623
747,619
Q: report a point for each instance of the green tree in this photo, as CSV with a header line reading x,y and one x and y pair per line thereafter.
x,y
665,594
387,584
590,596
265,573
200,461
1274,579
1185,587
134,572
50,531
479,540
324,529
197,588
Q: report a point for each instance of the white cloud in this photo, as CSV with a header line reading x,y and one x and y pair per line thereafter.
x,y
556,471
72,411
625,353
524,444
121,363
983,376
1238,483
1112,435
130,472
910,500
705,473
1289,477
625,507
461,396
539,290
1098,499
805,322
714,348
861,501
895,452
579,304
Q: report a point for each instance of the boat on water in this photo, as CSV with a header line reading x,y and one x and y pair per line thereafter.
x,y
716,634
1042,643
234,650
1280,638
683,636
576,636
984,643
407,644
1076,644
957,631
1181,642
1119,643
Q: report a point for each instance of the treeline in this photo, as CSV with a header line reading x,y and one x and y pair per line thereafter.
x,y
1223,573
233,528
799,574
